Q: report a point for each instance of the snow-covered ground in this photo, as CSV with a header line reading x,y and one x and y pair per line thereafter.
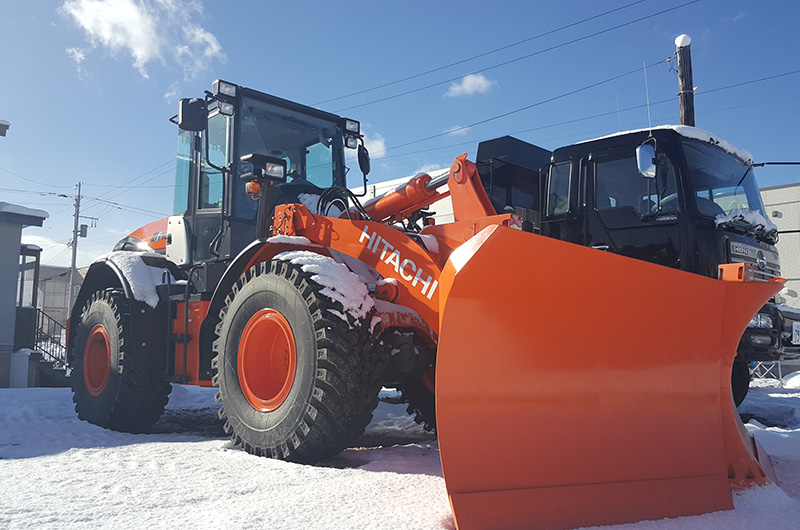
x,y
59,472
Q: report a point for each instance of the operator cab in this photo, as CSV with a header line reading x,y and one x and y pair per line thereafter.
x,y
214,218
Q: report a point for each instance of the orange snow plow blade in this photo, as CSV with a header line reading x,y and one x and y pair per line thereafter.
x,y
577,387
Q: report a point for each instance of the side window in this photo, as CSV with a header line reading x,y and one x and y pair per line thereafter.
x,y
182,172
210,188
558,189
619,184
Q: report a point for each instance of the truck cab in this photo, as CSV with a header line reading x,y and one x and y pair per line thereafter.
x,y
699,206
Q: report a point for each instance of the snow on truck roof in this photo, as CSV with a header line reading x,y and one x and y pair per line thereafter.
x,y
693,133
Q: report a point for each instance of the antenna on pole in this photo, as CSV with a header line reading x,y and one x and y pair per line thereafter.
x,y
647,93
685,84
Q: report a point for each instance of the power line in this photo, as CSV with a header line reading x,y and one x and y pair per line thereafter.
x,y
600,115
506,63
484,54
31,180
526,107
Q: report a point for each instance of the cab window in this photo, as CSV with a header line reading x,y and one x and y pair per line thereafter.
x,y
618,184
558,189
210,189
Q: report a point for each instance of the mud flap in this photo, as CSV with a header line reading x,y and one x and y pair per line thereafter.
x,y
576,387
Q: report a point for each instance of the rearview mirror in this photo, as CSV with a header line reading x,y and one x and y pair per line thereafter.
x,y
363,159
192,115
645,160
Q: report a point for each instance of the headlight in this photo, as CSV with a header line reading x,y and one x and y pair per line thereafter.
x,y
220,87
761,321
352,126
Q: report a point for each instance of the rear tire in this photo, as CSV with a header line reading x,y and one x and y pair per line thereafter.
x,y
421,403
111,387
297,382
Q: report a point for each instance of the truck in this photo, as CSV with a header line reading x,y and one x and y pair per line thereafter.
x,y
700,209
275,283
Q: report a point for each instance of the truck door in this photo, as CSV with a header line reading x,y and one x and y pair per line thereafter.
x,y
630,214
562,217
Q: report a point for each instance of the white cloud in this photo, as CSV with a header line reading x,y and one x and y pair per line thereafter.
x,y
173,93
78,55
429,168
150,30
470,84
59,253
375,144
458,130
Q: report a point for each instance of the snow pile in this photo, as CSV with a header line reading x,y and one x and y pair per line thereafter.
x,y
292,240
751,217
141,277
338,282
791,381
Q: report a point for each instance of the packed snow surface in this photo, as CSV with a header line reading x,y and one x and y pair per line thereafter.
x,y
338,282
59,472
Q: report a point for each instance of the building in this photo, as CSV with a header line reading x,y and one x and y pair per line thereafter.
x,y
782,204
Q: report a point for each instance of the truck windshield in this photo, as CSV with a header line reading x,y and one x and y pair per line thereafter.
x,y
721,181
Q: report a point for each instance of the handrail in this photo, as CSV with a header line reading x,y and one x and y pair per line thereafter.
x,y
50,338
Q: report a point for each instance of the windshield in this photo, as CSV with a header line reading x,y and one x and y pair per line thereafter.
x,y
304,141
721,181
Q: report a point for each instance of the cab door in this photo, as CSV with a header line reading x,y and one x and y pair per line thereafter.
x,y
563,217
630,214
206,218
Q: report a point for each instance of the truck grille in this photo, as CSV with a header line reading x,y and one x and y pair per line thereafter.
x,y
766,264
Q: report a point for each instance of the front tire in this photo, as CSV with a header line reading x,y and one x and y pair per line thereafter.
x,y
112,387
296,375
740,381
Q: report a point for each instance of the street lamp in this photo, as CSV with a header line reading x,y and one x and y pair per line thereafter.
x,y
4,125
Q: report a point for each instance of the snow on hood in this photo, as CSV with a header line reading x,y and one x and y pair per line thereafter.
x,y
141,277
695,134
338,282
751,217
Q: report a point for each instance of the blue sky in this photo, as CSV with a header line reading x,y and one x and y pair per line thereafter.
x,y
88,85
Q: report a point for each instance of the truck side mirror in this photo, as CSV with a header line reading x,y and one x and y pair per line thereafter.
x,y
192,115
645,160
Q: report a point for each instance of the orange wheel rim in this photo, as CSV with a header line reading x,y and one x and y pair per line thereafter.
x,y
97,360
267,360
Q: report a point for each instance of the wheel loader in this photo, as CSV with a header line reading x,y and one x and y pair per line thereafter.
x,y
275,283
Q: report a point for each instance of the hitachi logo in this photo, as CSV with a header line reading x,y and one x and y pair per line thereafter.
x,y
406,268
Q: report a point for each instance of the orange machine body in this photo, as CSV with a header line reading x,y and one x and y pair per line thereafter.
x,y
187,356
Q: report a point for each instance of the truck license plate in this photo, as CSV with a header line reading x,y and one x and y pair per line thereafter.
x,y
795,332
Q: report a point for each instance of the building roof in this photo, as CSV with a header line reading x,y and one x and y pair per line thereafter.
x,y
16,214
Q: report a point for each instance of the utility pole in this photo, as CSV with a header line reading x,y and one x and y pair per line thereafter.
x,y
685,84
72,270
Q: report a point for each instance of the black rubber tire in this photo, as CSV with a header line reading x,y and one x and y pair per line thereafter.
x,y
740,381
134,395
421,404
335,388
